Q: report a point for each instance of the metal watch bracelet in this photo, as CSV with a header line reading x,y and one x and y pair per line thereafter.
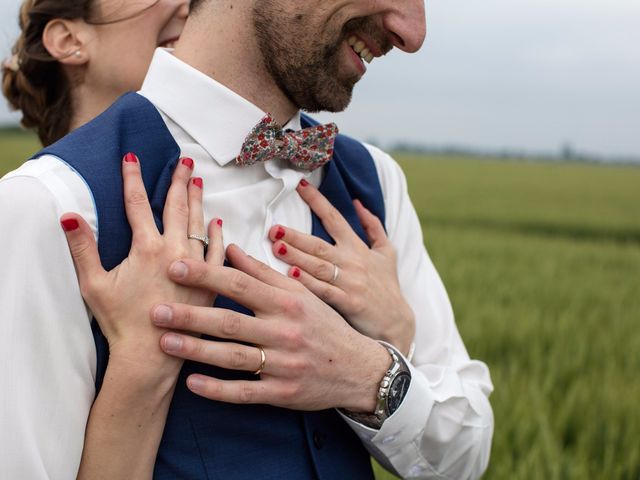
x,y
381,412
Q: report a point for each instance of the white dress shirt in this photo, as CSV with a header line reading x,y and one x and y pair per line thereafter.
x,y
442,429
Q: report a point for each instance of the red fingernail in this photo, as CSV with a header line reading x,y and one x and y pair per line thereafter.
x,y
296,272
282,250
303,183
219,222
197,182
130,158
70,224
187,162
279,233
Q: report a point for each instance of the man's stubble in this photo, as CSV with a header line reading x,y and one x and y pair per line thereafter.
x,y
304,66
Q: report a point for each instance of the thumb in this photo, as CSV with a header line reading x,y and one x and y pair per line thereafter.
x,y
83,248
372,226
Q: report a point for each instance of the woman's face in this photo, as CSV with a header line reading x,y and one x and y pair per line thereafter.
x,y
125,34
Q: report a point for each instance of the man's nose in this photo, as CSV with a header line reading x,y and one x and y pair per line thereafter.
x,y
406,23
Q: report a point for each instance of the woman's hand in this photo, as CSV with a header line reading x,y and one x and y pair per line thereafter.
x,y
358,281
128,415
122,299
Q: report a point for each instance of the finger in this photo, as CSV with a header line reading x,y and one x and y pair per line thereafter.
x,y
176,210
307,243
232,356
230,391
321,269
196,216
256,269
136,200
84,251
215,322
329,294
215,252
331,218
372,226
231,283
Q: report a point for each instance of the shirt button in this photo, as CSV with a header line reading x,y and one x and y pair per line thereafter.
x,y
318,439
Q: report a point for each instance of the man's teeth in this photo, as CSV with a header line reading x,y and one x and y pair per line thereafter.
x,y
360,48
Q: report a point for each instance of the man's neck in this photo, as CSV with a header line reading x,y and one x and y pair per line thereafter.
x,y
222,45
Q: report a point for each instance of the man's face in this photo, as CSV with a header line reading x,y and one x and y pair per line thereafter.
x,y
316,50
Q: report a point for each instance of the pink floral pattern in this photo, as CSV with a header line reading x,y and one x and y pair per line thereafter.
x,y
306,149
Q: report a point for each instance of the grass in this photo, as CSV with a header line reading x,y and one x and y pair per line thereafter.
x,y
16,146
542,264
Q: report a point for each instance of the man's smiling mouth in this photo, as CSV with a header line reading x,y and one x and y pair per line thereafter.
x,y
360,48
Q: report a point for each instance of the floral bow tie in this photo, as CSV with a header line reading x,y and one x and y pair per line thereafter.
x,y
306,149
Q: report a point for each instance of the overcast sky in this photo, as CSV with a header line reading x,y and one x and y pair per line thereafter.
x,y
518,74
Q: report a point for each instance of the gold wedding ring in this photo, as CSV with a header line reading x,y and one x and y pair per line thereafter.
x,y
263,360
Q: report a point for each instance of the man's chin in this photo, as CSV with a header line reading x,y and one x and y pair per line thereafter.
x,y
334,100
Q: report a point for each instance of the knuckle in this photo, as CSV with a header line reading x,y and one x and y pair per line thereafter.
x,y
246,393
185,319
320,249
291,392
136,198
358,286
181,208
326,293
296,367
292,306
323,270
238,358
334,216
150,243
238,284
293,336
88,288
357,306
199,273
229,324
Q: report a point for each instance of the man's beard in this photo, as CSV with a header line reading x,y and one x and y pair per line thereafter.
x,y
308,73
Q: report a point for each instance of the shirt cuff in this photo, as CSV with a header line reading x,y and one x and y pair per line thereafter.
x,y
405,425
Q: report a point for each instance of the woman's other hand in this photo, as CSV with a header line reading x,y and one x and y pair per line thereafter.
x,y
359,281
122,298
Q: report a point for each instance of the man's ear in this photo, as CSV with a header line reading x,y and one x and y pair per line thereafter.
x,y
63,39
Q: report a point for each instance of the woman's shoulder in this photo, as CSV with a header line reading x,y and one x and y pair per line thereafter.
x,y
44,187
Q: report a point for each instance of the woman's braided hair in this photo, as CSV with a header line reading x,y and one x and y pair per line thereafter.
x,y
34,82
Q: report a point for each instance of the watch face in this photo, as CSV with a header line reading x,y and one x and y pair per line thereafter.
x,y
398,390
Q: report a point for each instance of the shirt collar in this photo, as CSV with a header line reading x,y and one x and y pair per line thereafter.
x,y
213,115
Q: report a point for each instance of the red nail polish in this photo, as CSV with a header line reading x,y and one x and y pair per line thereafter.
x,y
303,183
70,224
279,233
187,162
282,250
219,222
197,182
130,158
296,272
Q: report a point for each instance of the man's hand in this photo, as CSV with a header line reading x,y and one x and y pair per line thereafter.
x,y
314,358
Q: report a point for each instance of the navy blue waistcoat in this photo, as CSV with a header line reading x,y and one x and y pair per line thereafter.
x,y
205,439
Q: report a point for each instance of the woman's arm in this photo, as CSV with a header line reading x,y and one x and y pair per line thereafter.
x,y
128,416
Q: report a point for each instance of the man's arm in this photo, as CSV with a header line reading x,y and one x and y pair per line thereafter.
x,y
445,424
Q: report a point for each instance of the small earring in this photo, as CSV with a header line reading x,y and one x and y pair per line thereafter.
x,y
77,53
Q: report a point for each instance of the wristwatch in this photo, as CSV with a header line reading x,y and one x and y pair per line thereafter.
x,y
393,388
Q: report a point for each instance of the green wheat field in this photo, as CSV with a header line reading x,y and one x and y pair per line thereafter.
x,y
542,264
